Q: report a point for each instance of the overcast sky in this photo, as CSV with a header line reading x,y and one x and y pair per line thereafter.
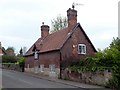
x,y
20,20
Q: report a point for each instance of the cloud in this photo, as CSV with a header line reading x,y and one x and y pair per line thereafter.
x,y
20,20
12,41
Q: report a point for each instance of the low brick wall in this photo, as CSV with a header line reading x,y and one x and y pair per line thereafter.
x,y
46,72
97,78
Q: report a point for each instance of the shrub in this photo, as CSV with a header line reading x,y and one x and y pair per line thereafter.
x,y
9,59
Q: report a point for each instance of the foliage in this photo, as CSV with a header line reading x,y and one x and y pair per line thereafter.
x,y
115,44
10,51
12,59
113,83
10,48
21,51
66,78
108,59
20,60
9,59
58,23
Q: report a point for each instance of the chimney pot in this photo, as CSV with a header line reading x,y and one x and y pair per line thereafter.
x,y
72,17
44,31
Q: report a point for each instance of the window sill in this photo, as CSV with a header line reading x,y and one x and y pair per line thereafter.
x,y
82,53
41,71
52,72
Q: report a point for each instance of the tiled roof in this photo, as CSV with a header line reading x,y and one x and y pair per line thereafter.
x,y
56,40
2,51
52,42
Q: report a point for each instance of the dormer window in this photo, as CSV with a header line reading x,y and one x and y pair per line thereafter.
x,y
81,49
35,52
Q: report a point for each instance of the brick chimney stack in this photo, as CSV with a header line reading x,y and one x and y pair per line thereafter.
x,y
72,17
44,31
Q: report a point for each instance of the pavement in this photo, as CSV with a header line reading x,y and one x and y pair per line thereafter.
x,y
67,82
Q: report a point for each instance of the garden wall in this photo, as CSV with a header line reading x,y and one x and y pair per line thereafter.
x,y
97,78
16,67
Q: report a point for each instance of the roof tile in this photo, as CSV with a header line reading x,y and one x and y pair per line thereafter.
x,y
52,42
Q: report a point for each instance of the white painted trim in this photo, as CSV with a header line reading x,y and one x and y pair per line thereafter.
x,y
79,49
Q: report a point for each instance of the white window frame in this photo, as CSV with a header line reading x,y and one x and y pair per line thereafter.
x,y
83,49
52,67
42,68
28,66
36,55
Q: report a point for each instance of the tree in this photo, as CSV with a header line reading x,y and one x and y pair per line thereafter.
x,y
21,61
10,51
115,44
58,23
21,52
10,48
9,59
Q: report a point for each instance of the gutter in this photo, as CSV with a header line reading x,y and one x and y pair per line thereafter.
x,y
43,52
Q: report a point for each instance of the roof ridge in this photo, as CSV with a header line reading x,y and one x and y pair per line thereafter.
x,y
70,33
58,30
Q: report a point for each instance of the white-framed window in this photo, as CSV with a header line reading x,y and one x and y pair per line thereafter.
x,y
52,67
28,66
81,49
42,68
36,55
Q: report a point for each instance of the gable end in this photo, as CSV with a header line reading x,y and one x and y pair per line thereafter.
x,y
73,30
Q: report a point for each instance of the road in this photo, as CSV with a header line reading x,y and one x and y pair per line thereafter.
x,y
13,79
0,78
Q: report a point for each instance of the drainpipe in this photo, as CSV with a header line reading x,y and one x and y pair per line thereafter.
x,y
60,64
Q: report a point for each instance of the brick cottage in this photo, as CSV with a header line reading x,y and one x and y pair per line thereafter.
x,y
51,53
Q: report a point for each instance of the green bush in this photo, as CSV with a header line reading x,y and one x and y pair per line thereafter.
x,y
20,59
113,83
9,59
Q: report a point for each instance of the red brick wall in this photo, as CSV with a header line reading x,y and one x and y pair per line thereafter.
x,y
50,58
29,60
69,52
44,58
44,31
